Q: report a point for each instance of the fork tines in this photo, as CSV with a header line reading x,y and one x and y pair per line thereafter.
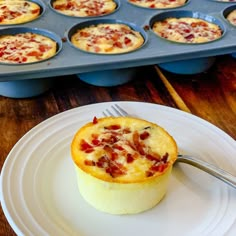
x,y
117,111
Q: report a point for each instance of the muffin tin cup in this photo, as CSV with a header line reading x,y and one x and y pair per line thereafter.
x,y
84,17
194,65
108,78
225,13
25,88
42,11
191,14
22,30
28,87
88,23
188,67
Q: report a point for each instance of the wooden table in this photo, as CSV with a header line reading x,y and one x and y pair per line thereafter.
x,y
210,95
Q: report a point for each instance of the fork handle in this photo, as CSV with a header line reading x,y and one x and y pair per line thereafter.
x,y
210,169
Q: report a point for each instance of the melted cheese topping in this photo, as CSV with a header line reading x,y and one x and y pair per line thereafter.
x,y
26,48
232,17
187,30
83,8
18,11
107,39
158,3
124,150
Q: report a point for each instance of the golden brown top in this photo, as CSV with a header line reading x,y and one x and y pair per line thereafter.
x,y
123,149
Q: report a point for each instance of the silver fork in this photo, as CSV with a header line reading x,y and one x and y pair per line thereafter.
x,y
202,165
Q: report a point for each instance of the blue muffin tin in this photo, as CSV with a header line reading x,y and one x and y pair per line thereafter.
x,y
156,50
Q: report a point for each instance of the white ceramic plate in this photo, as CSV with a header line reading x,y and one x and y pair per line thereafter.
x,y
40,195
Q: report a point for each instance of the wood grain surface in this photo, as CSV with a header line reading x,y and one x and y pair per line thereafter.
x,y
210,95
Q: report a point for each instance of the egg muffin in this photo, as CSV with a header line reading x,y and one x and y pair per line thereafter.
x,y
187,30
123,164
